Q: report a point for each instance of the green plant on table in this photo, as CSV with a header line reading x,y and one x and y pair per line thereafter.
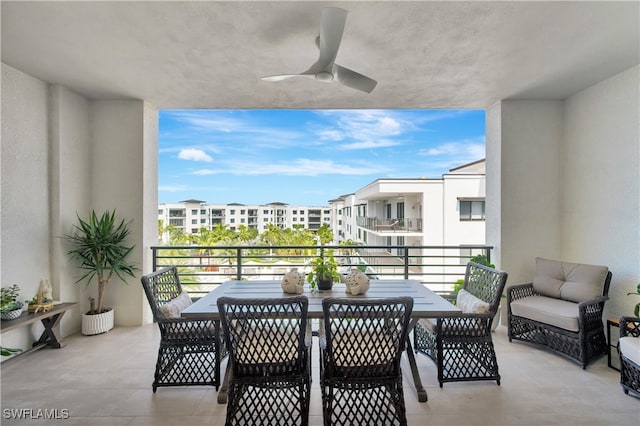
x,y
636,308
9,351
9,299
324,267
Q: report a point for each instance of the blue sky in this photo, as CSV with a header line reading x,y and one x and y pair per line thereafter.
x,y
307,157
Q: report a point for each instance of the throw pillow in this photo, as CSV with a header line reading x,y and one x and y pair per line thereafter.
x,y
470,304
173,308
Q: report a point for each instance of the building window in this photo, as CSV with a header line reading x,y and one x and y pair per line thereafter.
x,y
203,220
471,210
194,211
194,221
232,220
232,211
400,210
160,211
400,242
242,211
203,211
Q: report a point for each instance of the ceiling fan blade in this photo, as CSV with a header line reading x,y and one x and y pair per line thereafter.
x,y
331,30
353,79
283,77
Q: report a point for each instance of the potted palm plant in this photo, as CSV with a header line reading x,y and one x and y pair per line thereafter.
x,y
99,244
324,271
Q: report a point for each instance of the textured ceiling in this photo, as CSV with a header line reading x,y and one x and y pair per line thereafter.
x,y
426,54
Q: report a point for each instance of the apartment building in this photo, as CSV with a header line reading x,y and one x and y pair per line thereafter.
x,y
192,215
446,211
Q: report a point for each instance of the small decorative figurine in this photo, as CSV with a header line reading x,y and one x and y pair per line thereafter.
x,y
293,282
47,290
357,282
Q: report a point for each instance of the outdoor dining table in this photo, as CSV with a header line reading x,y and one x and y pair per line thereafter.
x,y
426,304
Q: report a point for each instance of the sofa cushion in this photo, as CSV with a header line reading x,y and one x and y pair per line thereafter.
x,y
629,347
556,312
576,282
174,308
470,304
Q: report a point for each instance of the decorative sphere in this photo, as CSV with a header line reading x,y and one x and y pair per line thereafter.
x,y
357,282
293,282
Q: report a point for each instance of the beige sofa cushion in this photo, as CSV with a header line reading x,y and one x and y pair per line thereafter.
x,y
556,312
576,282
630,348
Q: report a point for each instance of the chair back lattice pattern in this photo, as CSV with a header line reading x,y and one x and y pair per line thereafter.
x,y
190,351
269,359
361,378
485,283
161,287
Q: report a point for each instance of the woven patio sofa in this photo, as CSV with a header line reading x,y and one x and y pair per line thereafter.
x,y
629,350
561,310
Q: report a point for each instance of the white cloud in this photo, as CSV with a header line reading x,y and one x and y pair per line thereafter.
x,y
205,172
193,154
297,167
384,143
474,147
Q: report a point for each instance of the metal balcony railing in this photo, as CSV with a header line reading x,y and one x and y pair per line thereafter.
x,y
203,268
390,225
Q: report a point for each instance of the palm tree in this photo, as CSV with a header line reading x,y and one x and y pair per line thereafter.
x,y
325,234
246,234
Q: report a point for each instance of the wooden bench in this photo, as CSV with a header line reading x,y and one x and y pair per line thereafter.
x,y
49,320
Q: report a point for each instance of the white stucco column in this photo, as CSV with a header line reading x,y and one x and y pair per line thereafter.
x,y
124,177
524,140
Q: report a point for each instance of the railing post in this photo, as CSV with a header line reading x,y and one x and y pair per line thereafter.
x,y
238,263
406,262
154,257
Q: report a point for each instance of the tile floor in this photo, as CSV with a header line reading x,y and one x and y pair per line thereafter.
x,y
106,380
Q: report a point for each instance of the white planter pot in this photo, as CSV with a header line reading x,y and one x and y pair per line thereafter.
x,y
98,323
11,315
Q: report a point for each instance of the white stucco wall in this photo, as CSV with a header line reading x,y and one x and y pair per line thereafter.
x,y
456,231
563,182
24,235
525,138
70,192
123,178
63,154
601,176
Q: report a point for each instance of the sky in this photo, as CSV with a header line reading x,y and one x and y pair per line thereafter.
x,y
307,157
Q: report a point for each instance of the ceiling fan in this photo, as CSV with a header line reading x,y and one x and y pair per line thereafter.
x,y
325,69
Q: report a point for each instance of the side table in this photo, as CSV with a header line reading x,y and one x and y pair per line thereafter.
x,y
612,322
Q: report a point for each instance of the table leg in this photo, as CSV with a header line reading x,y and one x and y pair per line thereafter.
x,y
417,381
49,336
224,389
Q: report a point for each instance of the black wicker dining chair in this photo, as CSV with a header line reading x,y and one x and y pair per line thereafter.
x,y
462,346
190,351
360,374
269,360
